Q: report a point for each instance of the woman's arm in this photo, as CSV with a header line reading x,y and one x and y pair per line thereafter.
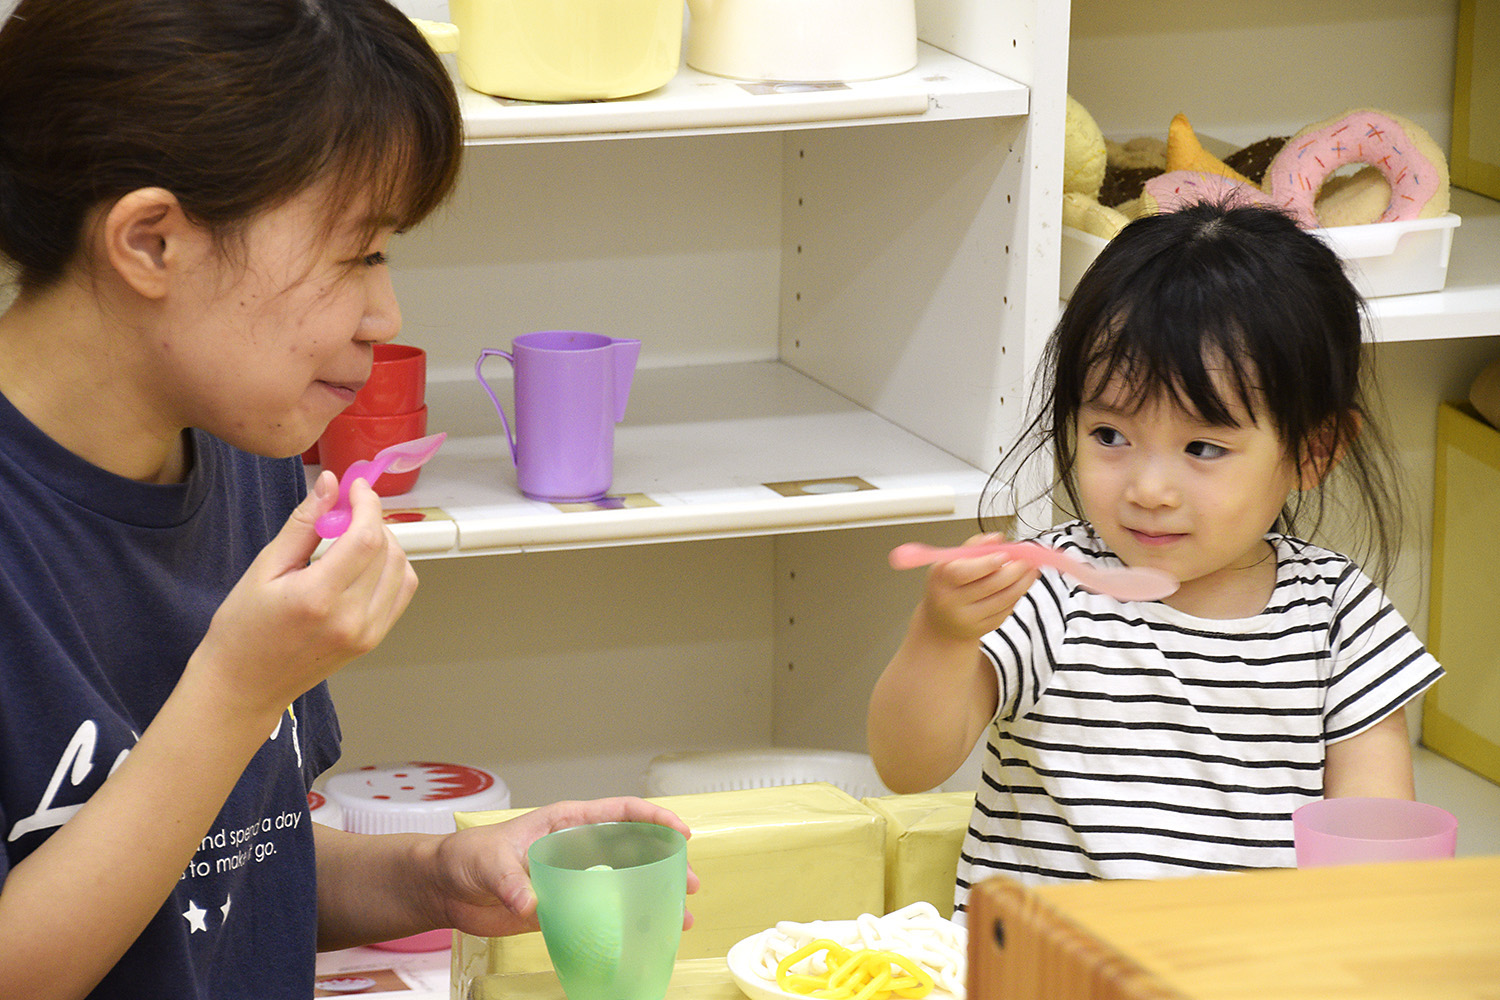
x,y
378,887
283,628
1376,763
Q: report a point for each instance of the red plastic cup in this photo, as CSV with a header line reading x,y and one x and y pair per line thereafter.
x,y
352,437
1348,831
398,381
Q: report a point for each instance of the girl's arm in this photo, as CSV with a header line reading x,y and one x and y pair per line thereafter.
x,y
283,628
934,699
379,887
1376,763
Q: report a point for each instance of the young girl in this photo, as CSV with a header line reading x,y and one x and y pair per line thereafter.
x,y
1203,383
195,198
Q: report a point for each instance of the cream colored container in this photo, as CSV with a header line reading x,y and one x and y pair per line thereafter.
x,y
811,41
565,50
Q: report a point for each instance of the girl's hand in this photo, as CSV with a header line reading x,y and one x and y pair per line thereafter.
x,y
289,624
967,598
481,884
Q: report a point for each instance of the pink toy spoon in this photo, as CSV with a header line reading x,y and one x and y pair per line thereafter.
x,y
402,457
1124,583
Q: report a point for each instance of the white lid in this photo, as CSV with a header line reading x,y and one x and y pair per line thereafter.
x,y
413,797
323,811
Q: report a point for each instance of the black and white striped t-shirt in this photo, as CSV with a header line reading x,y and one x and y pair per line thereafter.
x,y
1135,741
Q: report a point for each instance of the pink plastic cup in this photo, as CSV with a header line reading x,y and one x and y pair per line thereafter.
x,y
1348,831
398,381
351,437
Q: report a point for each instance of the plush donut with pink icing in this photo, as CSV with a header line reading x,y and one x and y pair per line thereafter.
x,y
1405,156
1177,188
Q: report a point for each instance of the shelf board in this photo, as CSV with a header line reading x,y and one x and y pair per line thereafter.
x,y
940,86
699,443
1469,303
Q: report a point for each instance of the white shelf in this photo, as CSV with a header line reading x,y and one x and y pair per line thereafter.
x,y
1469,304
940,86
700,442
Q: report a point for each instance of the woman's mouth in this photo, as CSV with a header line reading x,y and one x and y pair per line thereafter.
x,y
345,393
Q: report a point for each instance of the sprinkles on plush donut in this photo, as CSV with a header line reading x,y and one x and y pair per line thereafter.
x,y
1401,150
1178,188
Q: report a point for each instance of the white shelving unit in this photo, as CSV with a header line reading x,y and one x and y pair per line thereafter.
x,y
827,284
851,247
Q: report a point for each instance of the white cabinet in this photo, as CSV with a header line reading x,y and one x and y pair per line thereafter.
x,y
830,284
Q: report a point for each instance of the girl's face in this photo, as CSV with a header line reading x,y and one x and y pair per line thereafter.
x,y
263,351
1165,489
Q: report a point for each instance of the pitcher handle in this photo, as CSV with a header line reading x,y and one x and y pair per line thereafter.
x,y
479,364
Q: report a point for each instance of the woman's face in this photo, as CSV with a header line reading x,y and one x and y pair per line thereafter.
x,y
265,349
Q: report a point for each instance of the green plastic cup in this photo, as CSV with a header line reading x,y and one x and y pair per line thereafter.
x,y
610,898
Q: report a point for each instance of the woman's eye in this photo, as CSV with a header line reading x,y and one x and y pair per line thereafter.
x,y
1204,449
376,259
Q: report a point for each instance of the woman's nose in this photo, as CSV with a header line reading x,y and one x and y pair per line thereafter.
x,y
381,321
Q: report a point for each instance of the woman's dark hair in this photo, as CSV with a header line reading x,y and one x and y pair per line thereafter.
x,y
235,106
1191,305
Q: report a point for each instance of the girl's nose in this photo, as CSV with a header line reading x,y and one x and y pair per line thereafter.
x,y
1151,485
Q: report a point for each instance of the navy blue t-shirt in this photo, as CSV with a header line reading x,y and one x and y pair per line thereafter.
x,y
106,587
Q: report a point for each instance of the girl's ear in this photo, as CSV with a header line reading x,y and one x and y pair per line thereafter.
x,y
144,235
1326,448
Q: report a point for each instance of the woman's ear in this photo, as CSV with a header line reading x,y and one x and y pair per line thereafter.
x,y
143,235
1327,447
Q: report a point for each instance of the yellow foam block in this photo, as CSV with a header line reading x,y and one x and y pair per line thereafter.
x,y
1461,714
923,836
692,979
798,852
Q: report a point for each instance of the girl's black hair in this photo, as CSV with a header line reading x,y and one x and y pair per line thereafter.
x,y
1189,305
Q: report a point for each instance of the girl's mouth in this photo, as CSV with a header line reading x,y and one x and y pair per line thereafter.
x,y
1154,539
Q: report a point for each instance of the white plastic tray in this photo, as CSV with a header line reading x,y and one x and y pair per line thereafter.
x,y
732,770
1382,258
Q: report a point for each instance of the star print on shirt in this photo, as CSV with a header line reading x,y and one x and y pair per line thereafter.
x,y
194,915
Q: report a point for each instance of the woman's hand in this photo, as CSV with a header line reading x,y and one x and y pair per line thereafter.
x,y
375,888
289,623
485,887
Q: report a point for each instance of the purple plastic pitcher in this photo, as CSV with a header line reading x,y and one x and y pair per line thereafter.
x,y
571,389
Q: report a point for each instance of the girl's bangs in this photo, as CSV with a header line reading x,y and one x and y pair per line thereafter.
x,y
1189,358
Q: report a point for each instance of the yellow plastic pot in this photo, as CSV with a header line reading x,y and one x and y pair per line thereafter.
x,y
562,50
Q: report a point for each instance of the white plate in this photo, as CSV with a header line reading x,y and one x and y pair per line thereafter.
x,y
744,960
346,984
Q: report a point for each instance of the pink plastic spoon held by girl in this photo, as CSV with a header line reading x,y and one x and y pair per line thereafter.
x,y
1123,583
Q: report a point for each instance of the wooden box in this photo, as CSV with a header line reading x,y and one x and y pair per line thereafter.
x,y
1411,930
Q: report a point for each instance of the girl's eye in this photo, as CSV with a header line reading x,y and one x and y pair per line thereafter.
x,y
1108,436
1204,449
